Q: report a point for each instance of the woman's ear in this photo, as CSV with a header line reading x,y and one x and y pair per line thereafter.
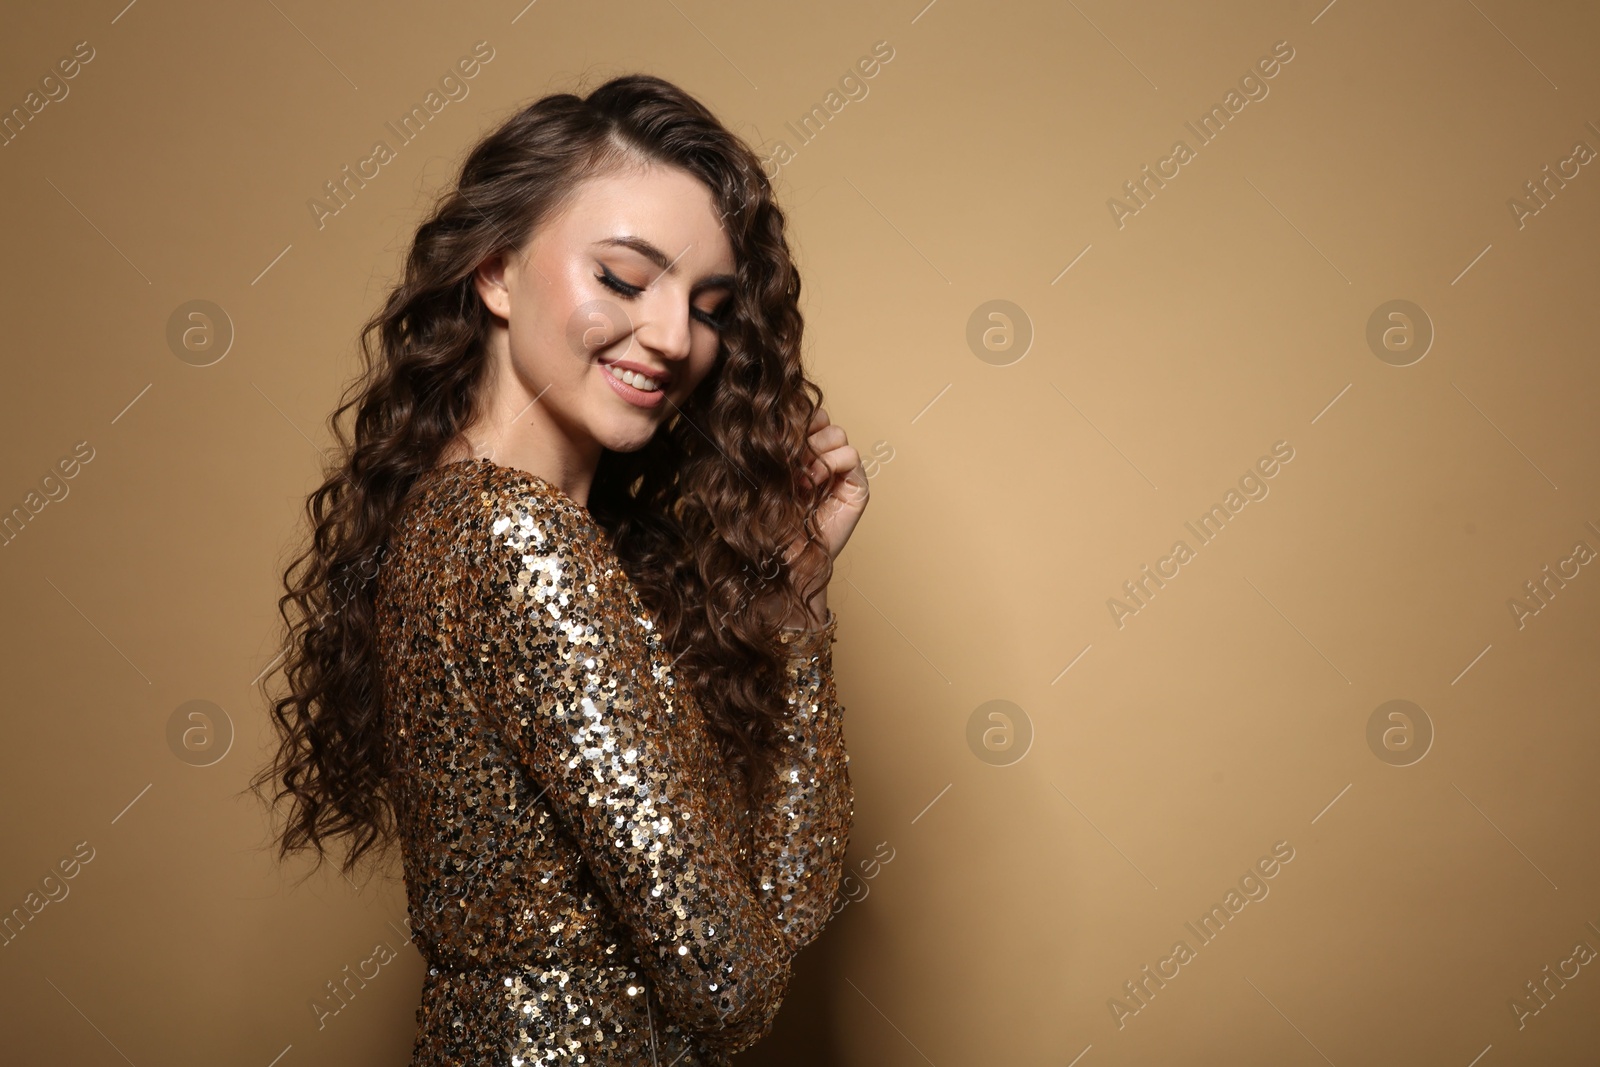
x,y
492,284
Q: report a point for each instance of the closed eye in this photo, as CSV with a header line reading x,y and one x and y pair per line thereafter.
x,y
717,320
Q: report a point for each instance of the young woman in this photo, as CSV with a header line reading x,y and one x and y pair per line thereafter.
x,y
562,628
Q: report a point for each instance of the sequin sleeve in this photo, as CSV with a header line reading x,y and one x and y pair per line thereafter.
x,y
804,813
587,714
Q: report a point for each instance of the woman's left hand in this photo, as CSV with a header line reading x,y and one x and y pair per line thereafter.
x,y
838,465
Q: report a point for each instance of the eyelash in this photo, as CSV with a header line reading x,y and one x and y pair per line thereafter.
x,y
622,288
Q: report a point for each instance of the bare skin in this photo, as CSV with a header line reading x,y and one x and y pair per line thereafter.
x,y
553,406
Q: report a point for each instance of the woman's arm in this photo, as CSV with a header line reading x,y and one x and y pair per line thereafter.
x,y
569,671
805,808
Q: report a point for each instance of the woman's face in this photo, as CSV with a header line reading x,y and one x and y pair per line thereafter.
x,y
636,273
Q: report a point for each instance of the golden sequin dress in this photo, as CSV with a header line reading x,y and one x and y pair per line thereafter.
x,y
582,881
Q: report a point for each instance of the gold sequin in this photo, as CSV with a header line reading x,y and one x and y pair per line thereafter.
x,y
580,877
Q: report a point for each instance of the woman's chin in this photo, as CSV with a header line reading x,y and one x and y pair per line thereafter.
x,y
627,438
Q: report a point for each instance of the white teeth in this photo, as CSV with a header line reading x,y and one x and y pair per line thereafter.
x,y
638,381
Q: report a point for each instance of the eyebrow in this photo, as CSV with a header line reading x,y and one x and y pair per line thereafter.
x,y
649,251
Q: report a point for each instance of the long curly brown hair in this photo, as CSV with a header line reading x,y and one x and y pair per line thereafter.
x,y
700,517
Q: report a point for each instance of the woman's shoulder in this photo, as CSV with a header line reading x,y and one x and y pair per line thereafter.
x,y
503,538
485,502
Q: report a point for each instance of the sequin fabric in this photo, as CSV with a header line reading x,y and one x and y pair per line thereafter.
x,y
581,877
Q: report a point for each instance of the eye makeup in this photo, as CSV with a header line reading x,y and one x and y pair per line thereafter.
x,y
717,320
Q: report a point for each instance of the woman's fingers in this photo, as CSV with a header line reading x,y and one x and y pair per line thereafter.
x,y
830,436
841,460
827,439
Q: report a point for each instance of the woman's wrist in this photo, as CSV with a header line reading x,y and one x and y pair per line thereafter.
x,y
806,643
816,620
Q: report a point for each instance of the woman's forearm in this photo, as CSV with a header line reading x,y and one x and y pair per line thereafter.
x,y
805,807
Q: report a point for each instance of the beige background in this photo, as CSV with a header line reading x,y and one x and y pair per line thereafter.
x,y
1010,503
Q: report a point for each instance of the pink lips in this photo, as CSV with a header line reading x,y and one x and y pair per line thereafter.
x,y
637,397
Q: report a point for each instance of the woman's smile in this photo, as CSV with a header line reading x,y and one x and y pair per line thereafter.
x,y
632,386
